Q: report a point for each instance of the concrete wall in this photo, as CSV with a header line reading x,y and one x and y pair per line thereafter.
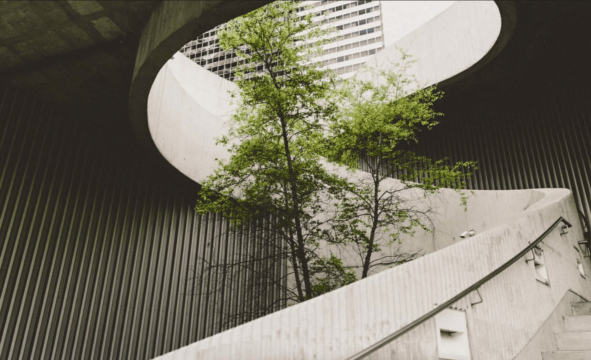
x,y
182,108
453,44
187,106
515,304
171,26
544,339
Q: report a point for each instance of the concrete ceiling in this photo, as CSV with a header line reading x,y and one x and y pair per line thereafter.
x,y
83,52
69,50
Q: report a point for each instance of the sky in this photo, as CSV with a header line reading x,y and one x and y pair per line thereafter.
x,y
402,17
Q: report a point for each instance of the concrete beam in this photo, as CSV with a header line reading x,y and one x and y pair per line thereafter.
x,y
171,26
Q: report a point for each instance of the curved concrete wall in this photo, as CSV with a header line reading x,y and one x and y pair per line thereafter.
x,y
187,104
188,107
341,323
171,26
460,38
182,105
184,125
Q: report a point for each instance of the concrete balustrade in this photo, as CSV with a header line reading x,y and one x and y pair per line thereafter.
x,y
514,307
186,110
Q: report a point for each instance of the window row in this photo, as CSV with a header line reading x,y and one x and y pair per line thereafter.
x,y
358,23
350,46
350,15
213,31
351,56
350,35
228,72
336,8
194,45
230,57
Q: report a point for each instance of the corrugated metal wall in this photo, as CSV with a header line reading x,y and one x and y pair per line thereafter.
x,y
522,137
98,247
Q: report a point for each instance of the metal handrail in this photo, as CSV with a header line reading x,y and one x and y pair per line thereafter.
x,y
376,346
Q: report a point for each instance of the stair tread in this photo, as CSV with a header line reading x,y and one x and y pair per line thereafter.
x,y
566,355
573,340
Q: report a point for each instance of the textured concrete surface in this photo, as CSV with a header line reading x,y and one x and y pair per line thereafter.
x,y
578,323
567,355
56,48
574,340
583,308
170,27
544,340
181,124
515,306
455,43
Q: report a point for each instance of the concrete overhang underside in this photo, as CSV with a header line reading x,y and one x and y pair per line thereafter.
x,y
82,54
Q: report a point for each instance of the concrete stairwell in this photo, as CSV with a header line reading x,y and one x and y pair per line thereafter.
x,y
575,342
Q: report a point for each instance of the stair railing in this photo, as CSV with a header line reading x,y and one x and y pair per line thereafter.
x,y
405,329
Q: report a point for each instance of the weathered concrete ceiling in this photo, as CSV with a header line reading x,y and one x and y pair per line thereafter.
x,y
83,52
71,50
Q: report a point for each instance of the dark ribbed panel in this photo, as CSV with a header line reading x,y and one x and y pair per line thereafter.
x,y
522,138
98,251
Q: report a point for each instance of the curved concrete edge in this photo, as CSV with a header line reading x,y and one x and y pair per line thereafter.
x,y
454,44
184,125
508,14
341,323
184,96
175,23
171,26
188,106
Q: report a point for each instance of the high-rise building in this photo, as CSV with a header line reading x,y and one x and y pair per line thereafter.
x,y
358,36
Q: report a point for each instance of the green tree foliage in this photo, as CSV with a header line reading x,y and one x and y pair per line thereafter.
x,y
380,114
275,140
289,121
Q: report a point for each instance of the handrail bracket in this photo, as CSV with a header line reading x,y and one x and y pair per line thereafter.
x,y
479,296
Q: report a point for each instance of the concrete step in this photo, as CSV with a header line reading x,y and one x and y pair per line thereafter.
x,y
566,355
578,323
573,340
583,308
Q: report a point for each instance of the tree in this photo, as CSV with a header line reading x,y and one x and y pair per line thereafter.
x,y
276,189
275,141
380,115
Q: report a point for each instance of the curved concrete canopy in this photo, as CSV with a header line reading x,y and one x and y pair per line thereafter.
x,y
188,105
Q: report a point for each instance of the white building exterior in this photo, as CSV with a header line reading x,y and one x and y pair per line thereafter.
x,y
358,24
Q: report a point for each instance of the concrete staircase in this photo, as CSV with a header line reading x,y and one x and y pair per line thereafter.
x,y
575,342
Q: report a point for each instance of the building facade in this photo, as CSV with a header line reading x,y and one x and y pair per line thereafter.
x,y
358,36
